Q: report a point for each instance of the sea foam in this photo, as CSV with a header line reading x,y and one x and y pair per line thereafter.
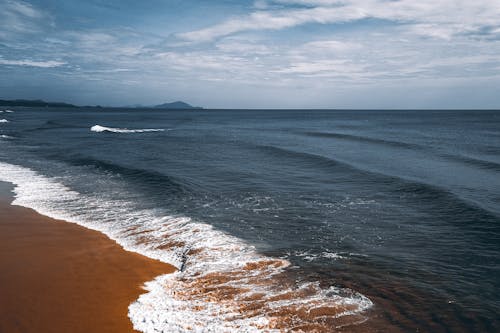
x,y
99,128
223,283
4,121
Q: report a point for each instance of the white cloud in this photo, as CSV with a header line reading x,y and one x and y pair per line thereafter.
x,y
241,47
331,66
91,39
434,18
32,63
19,17
23,8
331,46
273,20
188,61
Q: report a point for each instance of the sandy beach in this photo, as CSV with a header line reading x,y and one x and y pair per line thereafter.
x,y
60,277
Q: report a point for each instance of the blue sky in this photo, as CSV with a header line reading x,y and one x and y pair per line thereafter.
x,y
253,54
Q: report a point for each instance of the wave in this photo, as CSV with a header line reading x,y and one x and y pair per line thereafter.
x,y
52,125
350,137
433,195
223,283
99,129
8,111
467,160
475,162
313,160
4,121
146,178
3,136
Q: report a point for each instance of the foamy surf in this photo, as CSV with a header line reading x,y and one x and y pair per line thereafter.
x,y
4,121
223,284
99,129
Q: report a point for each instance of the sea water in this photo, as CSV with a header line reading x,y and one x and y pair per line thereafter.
x,y
284,220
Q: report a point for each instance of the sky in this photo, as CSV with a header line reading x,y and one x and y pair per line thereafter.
x,y
253,54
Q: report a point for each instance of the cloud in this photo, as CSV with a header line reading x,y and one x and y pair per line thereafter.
x,y
275,20
32,63
23,8
330,46
19,17
241,47
322,66
188,61
433,18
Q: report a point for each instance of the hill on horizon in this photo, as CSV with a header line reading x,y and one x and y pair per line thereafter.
x,y
34,103
179,105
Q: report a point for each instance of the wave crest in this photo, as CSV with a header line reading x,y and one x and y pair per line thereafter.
x,y
223,283
100,129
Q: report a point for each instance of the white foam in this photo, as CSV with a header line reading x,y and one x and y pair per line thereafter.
x,y
3,136
332,255
310,256
9,111
99,128
4,121
175,302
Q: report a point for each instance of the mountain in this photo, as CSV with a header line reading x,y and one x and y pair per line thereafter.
x,y
36,103
40,103
176,105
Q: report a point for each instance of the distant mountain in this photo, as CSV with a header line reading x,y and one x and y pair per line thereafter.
x,y
36,103
176,105
40,103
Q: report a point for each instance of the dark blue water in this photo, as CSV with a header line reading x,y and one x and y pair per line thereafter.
x,y
401,206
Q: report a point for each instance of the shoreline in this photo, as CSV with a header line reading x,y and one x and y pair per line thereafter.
x,y
61,277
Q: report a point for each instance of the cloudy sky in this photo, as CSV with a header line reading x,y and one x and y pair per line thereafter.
x,y
253,54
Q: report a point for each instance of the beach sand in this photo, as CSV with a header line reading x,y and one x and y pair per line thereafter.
x,y
57,276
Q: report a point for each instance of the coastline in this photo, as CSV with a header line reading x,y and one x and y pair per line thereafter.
x,y
61,277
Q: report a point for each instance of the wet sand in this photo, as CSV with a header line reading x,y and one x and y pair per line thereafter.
x,y
56,276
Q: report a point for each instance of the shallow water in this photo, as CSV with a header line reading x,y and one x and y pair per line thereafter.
x,y
312,220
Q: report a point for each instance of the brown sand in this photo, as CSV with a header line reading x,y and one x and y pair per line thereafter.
x,y
59,277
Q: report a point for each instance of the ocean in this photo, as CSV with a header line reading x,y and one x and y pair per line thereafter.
x,y
280,220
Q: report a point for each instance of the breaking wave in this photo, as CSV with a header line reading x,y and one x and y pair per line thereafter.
x,y
222,284
99,129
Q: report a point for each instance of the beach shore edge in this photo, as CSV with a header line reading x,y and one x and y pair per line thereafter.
x,y
59,276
